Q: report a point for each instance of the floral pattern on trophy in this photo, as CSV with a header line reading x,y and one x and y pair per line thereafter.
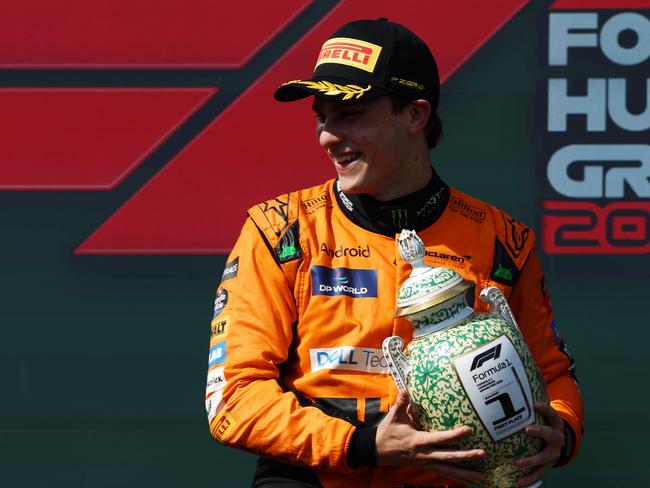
x,y
464,368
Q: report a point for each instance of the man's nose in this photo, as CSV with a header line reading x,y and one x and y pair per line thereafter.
x,y
328,136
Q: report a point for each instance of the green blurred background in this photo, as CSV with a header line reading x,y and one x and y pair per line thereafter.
x,y
103,358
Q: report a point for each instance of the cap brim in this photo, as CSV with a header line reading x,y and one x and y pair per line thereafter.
x,y
338,91
290,92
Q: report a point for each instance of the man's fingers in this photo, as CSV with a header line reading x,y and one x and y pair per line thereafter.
x,y
434,439
554,442
454,456
546,433
542,457
398,410
550,415
402,400
534,475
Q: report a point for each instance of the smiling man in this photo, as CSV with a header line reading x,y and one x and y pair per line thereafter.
x,y
296,371
376,149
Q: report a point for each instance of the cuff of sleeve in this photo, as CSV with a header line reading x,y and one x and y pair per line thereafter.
x,y
362,451
569,445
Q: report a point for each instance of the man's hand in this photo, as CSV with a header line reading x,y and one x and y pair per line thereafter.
x,y
553,435
400,444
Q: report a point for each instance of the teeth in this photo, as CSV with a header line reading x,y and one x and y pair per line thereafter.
x,y
346,158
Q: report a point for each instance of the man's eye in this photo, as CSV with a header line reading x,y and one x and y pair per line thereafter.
x,y
351,114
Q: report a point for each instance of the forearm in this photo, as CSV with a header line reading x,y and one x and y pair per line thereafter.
x,y
269,421
566,400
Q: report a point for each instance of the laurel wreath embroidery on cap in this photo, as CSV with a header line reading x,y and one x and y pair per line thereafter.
x,y
334,89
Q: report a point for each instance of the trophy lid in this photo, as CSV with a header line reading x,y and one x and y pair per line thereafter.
x,y
426,286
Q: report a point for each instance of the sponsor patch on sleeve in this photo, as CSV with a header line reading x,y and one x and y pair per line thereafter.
x,y
216,381
562,347
217,354
230,271
289,248
556,333
218,329
224,422
504,270
220,302
213,403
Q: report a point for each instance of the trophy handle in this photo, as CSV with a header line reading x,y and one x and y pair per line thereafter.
x,y
498,305
397,361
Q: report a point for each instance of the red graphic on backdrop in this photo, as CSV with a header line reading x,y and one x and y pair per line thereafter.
x,y
259,148
86,138
256,148
583,227
139,34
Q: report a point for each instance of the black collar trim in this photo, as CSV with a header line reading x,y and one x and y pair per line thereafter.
x,y
415,211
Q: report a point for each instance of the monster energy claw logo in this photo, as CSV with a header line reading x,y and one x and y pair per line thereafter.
x,y
399,217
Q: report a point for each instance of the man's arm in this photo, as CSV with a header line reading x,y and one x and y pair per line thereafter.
x,y
252,410
530,303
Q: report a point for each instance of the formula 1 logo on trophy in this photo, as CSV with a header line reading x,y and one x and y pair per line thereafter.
x,y
465,368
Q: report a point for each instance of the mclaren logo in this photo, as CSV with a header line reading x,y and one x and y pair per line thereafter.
x,y
447,257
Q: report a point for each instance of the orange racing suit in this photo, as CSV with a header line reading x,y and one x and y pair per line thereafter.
x,y
306,299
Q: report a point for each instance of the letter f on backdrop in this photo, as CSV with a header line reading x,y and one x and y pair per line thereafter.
x,y
209,152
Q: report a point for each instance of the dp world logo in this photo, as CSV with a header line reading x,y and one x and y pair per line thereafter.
x,y
355,283
339,276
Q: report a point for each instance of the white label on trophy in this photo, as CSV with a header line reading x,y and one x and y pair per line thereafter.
x,y
497,386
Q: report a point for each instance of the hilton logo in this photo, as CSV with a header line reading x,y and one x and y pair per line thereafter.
x,y
459,205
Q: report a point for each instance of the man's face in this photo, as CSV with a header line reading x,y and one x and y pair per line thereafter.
x,y
368,144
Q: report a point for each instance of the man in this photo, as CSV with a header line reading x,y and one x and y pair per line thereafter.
x,y
296,373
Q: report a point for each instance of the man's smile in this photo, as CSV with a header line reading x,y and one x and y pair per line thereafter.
x,y
344,160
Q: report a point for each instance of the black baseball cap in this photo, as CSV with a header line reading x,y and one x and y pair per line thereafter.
x,y
366,59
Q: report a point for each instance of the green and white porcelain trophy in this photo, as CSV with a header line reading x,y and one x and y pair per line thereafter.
x,y
464,368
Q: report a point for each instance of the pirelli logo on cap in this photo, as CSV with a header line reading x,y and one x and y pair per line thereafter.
x,y
351,52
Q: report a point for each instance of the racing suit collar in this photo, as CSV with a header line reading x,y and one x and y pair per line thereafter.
x,y
415,211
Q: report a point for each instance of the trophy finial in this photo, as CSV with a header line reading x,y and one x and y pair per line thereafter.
x,y
410,246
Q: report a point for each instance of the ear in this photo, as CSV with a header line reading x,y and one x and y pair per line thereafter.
x,y
419,112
